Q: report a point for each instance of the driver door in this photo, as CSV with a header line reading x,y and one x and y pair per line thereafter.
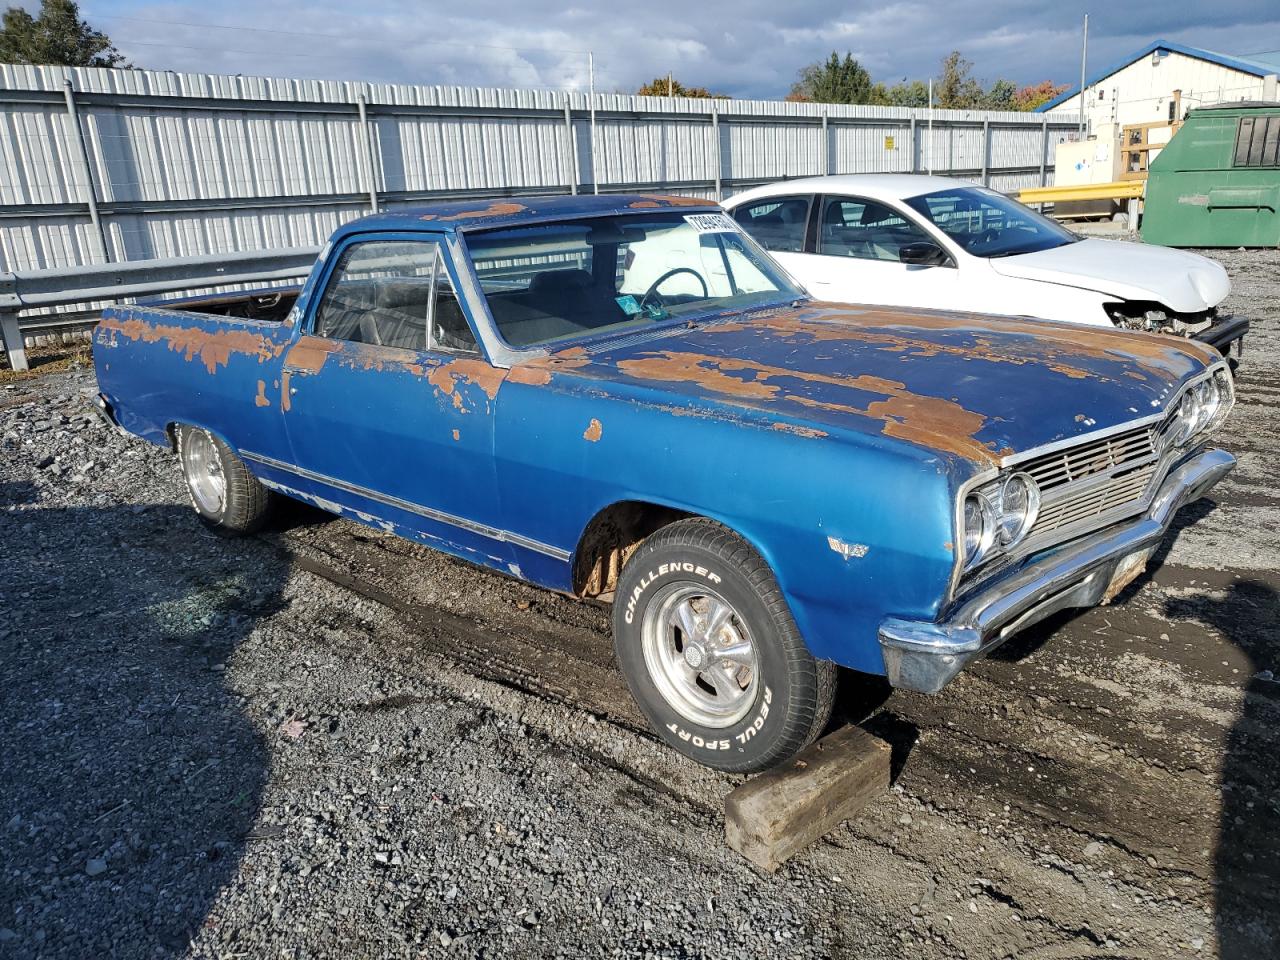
x,y
389,404
856,258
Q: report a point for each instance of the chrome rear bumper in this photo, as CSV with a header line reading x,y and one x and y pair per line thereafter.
x,y
925,656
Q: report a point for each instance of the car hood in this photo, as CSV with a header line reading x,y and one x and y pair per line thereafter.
x,y
1183,282
973,387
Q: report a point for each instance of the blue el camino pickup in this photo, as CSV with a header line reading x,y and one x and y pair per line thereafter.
x,y
625,398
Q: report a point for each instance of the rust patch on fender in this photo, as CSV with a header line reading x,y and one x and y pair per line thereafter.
x,y
932,422
260,400
286,402
595,429
808,432
213,347
529,373
703,370
445,377
309,353
499,208
457,435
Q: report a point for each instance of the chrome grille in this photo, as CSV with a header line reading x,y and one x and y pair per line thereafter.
x,y
1080,485
1063,467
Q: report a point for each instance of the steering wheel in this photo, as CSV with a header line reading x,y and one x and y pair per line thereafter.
x,y
653,287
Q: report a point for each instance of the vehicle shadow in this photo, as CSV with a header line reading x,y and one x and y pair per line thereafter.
x,y
1026,643
1247,859
859,699
130,778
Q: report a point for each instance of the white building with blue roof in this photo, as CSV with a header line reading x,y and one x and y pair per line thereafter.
x,y
1166,77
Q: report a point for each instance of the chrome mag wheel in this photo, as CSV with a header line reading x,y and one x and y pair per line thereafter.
x,y
700,655
203,467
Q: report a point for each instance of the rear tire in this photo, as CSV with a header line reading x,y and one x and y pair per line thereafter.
x,y
711,653
227,497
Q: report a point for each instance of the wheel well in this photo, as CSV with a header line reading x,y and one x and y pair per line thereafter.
x,y
609,540
171,431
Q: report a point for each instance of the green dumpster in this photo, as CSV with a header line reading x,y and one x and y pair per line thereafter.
x,y
1217,183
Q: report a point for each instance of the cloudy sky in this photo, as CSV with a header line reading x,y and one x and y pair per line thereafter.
x,y
746,48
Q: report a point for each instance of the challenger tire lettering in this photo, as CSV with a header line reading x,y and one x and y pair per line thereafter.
x,y
662,571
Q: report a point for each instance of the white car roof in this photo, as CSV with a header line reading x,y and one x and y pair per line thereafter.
x,y
875,186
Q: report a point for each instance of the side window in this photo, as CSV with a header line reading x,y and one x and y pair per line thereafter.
x,y
776,224
393,293
864,229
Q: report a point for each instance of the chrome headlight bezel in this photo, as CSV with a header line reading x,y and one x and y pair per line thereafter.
x,y
997,516
1024,517
978,530
1198,409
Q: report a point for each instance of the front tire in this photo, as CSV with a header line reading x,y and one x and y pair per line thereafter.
x,y
228,498
711,654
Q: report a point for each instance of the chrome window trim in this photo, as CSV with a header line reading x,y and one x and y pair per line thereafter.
x,y
1165,463
484,530
498,353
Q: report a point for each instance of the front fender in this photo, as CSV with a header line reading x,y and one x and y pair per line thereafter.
x,y
853,529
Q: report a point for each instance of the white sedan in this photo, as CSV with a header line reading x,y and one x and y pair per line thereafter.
x,y
920,241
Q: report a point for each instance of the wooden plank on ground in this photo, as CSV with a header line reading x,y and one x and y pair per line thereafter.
x,y
777,814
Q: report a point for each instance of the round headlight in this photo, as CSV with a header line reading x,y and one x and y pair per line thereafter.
x,y
1225,389
1206,400
979,527
1185,420
1019,505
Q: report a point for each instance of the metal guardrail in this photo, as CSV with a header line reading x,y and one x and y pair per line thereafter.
x,y
115,281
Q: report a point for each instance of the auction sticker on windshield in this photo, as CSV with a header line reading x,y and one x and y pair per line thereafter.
x,y
711,223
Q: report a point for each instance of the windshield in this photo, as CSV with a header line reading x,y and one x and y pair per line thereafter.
x,y
989,224
558,281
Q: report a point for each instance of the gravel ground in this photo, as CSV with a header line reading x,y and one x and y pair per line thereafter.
x,y
323,741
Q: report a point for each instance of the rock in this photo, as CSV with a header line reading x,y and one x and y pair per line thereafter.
x,y
95,866
1092,848
905,820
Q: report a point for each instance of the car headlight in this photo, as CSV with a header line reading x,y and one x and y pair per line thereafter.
x,y
979,527
1018,508
1225,389
1184,420
1206,397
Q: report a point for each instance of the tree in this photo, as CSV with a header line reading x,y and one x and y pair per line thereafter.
x,y
833,81
671,87
956,90
57,36
1028,98
908,93
1001,95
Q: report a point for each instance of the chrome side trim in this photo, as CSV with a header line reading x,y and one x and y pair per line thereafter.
x,y
484,530
925,656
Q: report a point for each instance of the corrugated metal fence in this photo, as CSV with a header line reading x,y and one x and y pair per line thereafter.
x,y
132,164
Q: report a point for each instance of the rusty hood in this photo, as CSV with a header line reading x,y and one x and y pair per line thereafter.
x,y
976,387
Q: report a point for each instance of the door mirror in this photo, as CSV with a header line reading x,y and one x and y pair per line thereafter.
x,y
923,253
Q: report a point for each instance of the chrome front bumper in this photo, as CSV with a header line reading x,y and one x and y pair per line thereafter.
x,y
925,656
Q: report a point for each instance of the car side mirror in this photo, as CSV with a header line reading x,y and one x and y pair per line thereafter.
x,y
924,253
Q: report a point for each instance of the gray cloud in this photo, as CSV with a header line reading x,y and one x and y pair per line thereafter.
x,y
749,48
